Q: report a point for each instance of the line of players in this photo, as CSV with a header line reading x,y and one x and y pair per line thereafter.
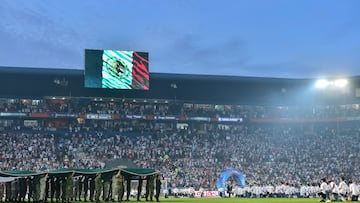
x,y
64,189
327,191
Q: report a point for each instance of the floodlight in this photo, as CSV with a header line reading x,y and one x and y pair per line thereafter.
x,y
340,83
321,83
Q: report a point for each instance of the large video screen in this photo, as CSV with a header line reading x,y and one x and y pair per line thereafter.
x,y
116,69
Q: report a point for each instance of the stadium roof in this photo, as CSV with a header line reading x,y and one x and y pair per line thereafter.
x,y
39,82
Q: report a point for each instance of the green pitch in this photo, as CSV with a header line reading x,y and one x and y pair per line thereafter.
x,y
228,200
239,200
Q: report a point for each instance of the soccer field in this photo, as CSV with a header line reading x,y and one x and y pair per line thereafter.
x,y
240,200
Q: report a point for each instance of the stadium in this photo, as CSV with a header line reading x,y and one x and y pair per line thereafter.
x,y
266,139
190,101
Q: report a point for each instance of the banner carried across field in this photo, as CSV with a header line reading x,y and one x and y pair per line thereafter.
x,y
126,172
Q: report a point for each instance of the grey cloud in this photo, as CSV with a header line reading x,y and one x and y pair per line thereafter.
x,y
189,52
29,26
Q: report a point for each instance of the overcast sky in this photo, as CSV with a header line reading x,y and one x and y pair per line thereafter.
x,y
266,38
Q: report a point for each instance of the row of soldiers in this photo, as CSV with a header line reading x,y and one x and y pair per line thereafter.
x,y
65,188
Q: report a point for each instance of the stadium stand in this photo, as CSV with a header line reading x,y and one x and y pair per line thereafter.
x,y
189,142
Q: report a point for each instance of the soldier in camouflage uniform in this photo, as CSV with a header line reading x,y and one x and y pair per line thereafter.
x,y
42,186
128,188
37,188
69,187
157,188
64,189
98,187
2,188
120,187
106,177
114,185
92,187
151,186
139,188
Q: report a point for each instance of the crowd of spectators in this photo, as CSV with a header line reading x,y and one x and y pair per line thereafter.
x,y
175,108
267,154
